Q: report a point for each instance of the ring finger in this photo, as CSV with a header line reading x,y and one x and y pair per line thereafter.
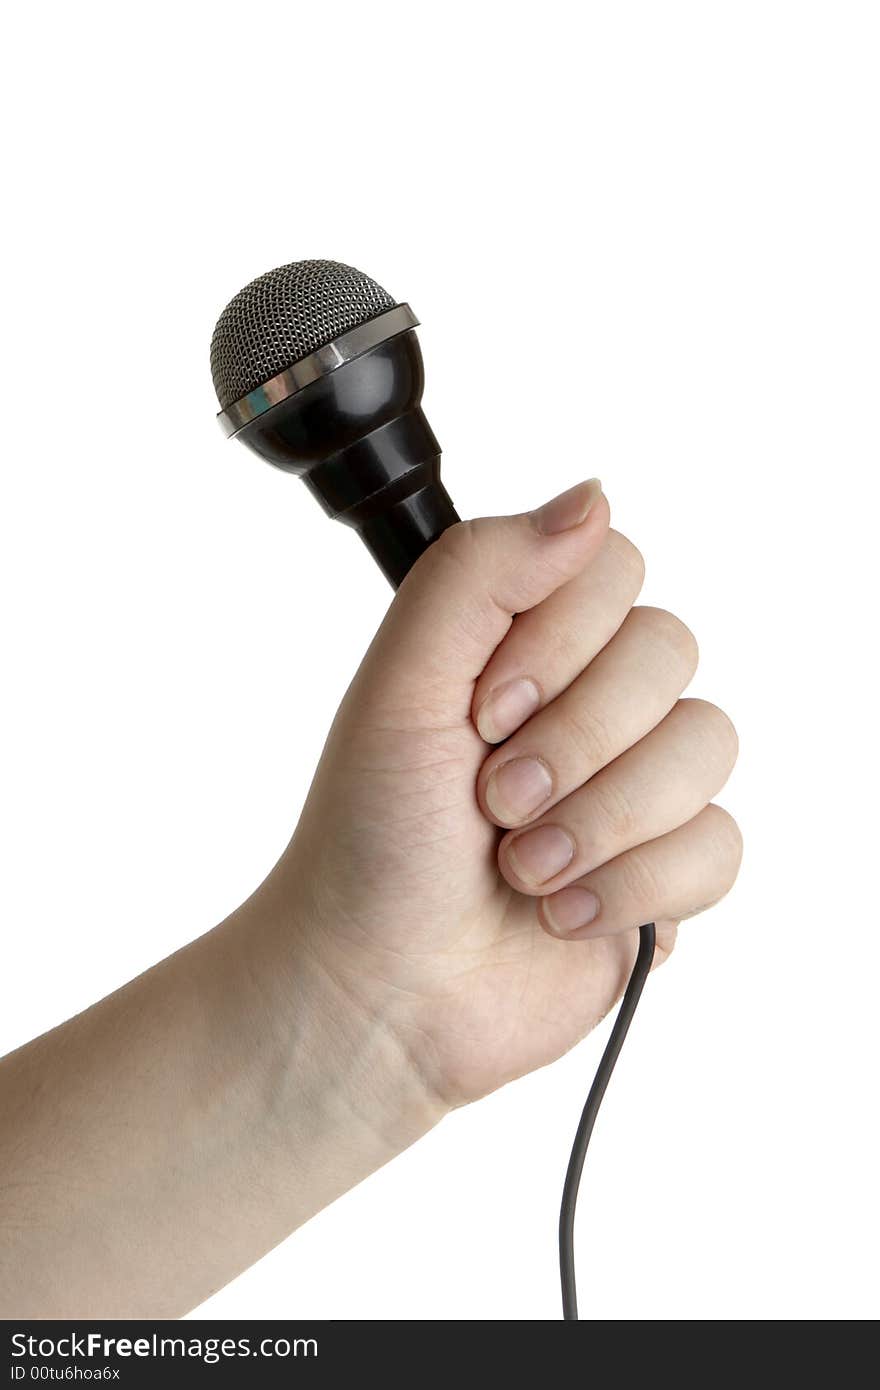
x,y
659,784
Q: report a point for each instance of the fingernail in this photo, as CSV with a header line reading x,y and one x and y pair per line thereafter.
x,y
567,510
570,909
506,708
540,854
517,788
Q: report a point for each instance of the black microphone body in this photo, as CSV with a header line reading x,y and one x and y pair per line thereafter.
x,y
360,441
356,434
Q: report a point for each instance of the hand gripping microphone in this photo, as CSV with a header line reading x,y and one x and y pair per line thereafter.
x,y
318,370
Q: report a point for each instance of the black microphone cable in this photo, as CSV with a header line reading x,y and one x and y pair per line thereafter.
x,y
640,971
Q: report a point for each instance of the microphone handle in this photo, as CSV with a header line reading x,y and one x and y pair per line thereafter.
x,y
386,486
402,530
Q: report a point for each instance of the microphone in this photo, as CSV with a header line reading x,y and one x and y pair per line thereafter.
x,y
319,371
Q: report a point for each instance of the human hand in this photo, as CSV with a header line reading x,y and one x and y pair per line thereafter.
x,y
423,939
503,799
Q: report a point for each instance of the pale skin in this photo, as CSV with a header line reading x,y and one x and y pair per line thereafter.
x,y
512,784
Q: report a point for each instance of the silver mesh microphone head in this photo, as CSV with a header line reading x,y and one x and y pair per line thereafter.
x,y
284,316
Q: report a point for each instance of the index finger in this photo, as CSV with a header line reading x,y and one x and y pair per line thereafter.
x,y
548,646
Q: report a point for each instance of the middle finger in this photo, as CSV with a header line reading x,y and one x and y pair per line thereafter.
x,y
624,693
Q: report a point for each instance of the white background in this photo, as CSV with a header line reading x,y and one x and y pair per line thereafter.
x,y
656,227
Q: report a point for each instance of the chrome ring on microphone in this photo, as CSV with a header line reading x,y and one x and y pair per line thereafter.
x,y
326,359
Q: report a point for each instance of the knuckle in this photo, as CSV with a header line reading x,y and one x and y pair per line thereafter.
x,y
628,557
714,725
643,879
613,812
727,842
498,555
589,737
460,544
546,570
667,630
450,555
469,556
556,638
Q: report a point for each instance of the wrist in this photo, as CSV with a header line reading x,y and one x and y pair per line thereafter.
x,y
336,1090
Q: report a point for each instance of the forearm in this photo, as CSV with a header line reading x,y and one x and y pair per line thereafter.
x,y
159,1143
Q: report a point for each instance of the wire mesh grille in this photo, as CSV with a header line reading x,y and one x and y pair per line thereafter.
x,y
285,315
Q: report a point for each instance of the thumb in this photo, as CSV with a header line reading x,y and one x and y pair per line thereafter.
x,y
459,600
